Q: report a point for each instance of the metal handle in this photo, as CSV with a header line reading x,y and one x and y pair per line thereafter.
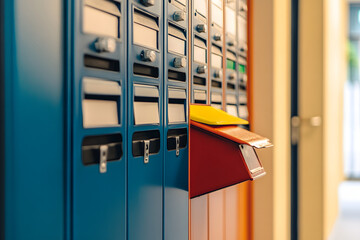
x,y
296,123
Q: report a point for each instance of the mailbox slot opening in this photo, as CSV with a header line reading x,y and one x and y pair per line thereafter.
x,y
138,139
91,148
171,138
101,63
145,70
231,86
199,81
216,84
176,76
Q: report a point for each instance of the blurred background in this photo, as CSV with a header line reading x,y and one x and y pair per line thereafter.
x,y
305,70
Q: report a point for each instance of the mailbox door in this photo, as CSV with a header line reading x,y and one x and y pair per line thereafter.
x,y
98,193
145,120
176,217
199,75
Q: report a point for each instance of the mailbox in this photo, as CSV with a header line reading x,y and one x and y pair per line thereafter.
x,y
98,106
145,119
222,153
176,120
242,27
200,47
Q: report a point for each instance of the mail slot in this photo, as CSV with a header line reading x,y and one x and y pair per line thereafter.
x,y
177,139
150,138
101,18
222,154
145,30
100,103
146,104
101,149
200,96
176,40
176,106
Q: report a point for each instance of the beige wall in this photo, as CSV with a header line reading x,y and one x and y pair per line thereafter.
x,y
271,114
335,32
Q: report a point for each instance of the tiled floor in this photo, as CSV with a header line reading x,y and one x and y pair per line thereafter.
x,y
347,226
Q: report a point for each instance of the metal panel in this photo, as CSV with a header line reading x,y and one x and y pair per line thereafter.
x,y
98,191
145,172
34,115
176,217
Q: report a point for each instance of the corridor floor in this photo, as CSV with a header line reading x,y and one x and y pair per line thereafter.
x,y
347,226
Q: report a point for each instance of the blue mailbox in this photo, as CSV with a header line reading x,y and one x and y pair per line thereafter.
x,y
199,49
176,75
99,147
145,119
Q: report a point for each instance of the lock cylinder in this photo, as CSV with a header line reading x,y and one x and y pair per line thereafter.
x,y
179,16
105,44
179,62
148,56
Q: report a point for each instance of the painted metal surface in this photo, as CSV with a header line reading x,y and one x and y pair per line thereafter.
x,y
145,180
176,197
98,199
34,113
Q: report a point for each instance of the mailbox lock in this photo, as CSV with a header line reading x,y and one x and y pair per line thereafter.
x,y
103,158
104,44
146,151
148,56
177,141
201,28
179,62
179,16
232,76
217,37
147,3
217,73
244,48
201,69
243,8
231,43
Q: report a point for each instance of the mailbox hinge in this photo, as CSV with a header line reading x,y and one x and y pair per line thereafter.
x,y
177,140
146,151
103,158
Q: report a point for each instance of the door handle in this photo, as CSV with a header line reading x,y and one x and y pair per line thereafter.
x,y
297,121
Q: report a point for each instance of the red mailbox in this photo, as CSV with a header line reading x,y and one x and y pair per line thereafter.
x,y
222,155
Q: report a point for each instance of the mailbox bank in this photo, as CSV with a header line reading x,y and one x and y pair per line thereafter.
x,y
95,124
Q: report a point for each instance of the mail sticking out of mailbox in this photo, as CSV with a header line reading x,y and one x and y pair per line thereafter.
x,y
222,153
